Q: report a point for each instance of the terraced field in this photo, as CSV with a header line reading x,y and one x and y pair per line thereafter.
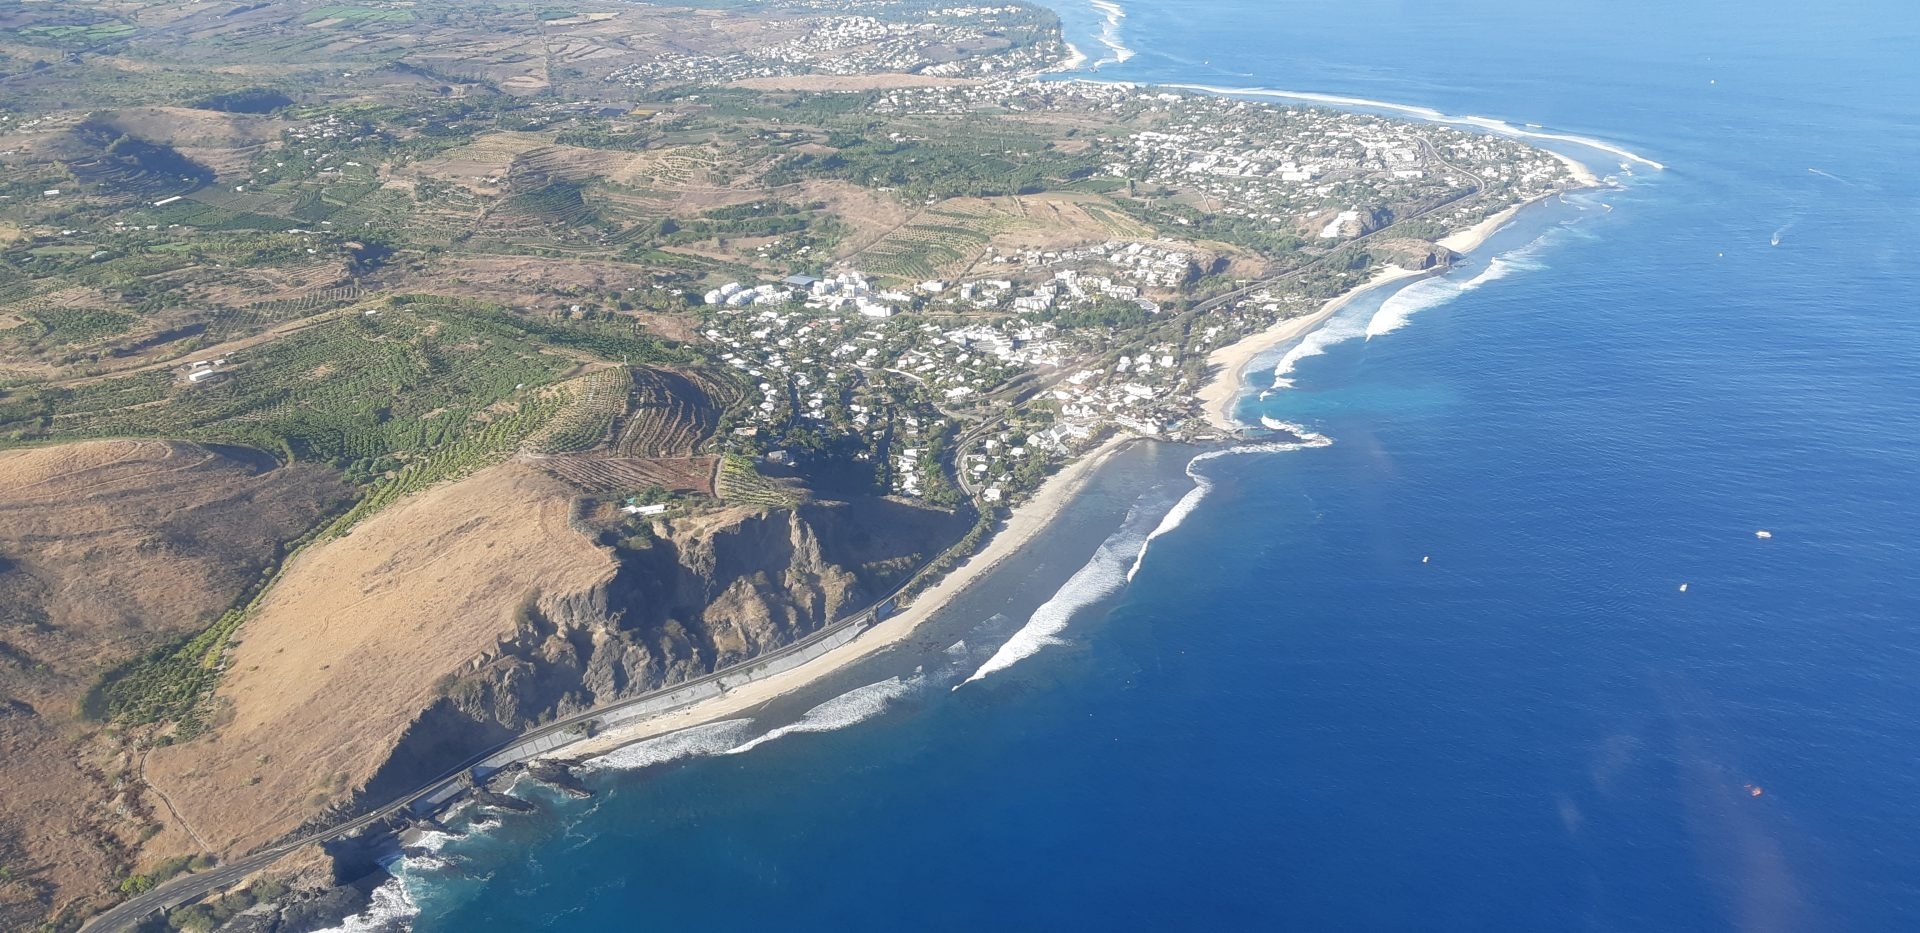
x,y
608,475
669,415
614,439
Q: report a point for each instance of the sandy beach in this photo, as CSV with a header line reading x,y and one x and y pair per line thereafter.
x,y
1217,400
1470,239
1027,520
1229,363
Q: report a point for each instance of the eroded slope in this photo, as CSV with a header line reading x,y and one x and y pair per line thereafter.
x,y
109,549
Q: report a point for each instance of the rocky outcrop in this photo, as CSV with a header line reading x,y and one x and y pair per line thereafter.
x,y
1411,254
710,592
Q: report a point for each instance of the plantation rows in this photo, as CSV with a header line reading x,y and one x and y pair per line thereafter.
x,y
593,403
491,444
617,475
364,393
921,251
1117,223
669,416
190,213
740,484
251,319
557,203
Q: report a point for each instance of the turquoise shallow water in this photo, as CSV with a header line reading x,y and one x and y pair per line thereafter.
x,y
1288,720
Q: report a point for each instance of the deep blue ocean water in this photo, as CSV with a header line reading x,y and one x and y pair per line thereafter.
x,y
1288,720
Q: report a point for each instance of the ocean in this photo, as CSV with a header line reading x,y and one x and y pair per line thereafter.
x,y
1440,673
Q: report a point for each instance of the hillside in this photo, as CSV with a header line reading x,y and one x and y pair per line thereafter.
x,y
109,549
476,609
346,650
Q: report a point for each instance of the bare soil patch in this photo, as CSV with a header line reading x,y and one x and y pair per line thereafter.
x,y
345,652
109,549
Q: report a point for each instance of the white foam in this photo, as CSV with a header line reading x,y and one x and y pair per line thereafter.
x,y
1397,310
1074,61
1102,577
1336,330
1429,114
431,840
1202,485
856,705
1173,518
392,911
696,742
1110,33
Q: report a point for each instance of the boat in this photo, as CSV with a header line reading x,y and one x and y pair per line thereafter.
x,y
1763,534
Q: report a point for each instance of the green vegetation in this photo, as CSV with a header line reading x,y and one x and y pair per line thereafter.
x,y
248,100
169,685
65,326
741,484
352,13
987,163
209,915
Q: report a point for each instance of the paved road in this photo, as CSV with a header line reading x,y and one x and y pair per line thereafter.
x,y
188,888
536,741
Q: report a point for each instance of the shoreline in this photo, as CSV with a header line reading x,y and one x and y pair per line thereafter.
x,y
1227,385
1218,398
1027,519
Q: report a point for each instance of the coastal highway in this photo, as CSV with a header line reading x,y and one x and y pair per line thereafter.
x,y
533,742
540,740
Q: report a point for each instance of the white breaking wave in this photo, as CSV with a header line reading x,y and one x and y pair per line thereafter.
x,y
856,705
431,840
696,742
1102,577
1202,485
1111,570
1428,113
392,911
1173,518
1403,304
1110,32
1335,330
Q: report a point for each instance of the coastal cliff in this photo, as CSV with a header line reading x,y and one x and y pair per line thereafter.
x,y
338,700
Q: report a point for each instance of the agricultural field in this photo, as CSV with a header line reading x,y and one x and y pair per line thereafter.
x,y
629,430
726,256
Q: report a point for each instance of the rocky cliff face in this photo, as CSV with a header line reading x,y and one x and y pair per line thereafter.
x,y
1411,254
709,593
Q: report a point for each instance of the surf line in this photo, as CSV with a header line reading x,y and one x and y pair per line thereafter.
x,y
1425,113
1110,570
1110,32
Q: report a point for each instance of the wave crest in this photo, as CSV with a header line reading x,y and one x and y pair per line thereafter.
x,y
697,742
856,705
1398,309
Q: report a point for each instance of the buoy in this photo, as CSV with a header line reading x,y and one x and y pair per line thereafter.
x,y
1683,587
1763,534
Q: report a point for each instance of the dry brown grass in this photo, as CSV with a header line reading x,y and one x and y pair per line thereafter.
x,y
345,651
107,549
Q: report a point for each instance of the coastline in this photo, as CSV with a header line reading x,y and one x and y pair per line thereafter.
x,y
1229,363
1470,239
1028,519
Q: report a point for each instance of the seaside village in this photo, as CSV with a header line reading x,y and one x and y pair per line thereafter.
x,y
837,351
862,37
843,350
